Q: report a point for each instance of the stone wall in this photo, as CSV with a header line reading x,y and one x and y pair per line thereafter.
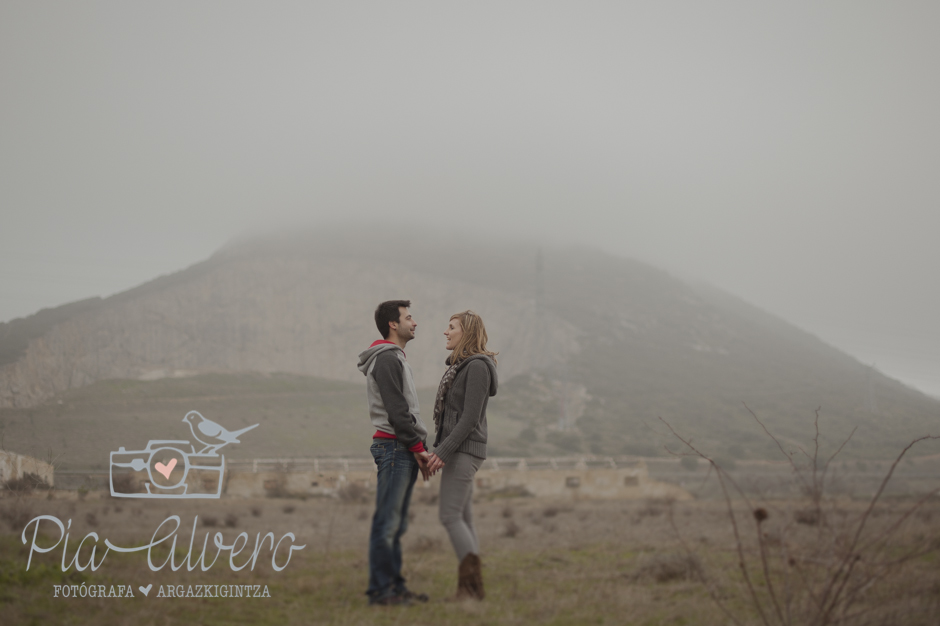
x,y
549,478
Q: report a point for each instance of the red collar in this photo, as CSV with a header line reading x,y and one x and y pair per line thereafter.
x,y
381,341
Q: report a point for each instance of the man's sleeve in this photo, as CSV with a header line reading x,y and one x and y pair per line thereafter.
x,y
389,372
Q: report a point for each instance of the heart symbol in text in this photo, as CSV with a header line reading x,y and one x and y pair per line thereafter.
x,y
146,590
165,469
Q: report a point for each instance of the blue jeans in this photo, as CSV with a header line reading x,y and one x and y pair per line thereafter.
x,y
397,473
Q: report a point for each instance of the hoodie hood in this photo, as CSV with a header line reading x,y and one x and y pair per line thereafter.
x,y
368,355
494,380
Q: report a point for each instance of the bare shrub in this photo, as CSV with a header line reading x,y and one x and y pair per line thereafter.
x,y
550,512
664,568
16,514
353,492
774,539
27,483
256,511
277,487
511,529
210,521
125,483
231,520
809,517
91,519
507,512
652,508
844,567
426,544
512,491
290,508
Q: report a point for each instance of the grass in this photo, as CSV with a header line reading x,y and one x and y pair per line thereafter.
x,y
602,562
550,586
300,416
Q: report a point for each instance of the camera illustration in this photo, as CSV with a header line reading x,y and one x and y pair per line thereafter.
x,y
166,469
174,468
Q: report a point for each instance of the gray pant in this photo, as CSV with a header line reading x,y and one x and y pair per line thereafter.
x,y
456,509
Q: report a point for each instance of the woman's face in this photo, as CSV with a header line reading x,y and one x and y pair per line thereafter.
x,y
453,333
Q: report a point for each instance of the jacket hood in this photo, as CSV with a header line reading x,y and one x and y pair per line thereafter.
x,y
368,355
494,380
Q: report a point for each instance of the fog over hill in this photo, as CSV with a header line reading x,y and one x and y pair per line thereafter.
x,y
593,347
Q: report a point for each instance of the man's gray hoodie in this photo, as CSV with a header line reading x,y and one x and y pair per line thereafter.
x,y
390,388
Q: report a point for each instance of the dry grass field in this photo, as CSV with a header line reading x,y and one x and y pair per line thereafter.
x,y
545,562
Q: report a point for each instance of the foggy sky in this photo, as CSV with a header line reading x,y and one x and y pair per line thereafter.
x,y
788,154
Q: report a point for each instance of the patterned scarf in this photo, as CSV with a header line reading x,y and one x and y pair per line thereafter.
x,y
442,390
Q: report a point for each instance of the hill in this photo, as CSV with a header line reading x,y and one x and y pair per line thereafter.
x,y
593,347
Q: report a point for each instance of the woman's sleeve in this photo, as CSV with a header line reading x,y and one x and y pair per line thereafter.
x,y
478,389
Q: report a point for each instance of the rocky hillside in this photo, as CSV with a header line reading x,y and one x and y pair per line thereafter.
x,y
262,308
593,348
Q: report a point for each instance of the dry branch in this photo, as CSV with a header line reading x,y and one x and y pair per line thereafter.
x,y
835,570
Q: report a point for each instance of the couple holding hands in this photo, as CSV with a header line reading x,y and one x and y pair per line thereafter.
x,y
399,444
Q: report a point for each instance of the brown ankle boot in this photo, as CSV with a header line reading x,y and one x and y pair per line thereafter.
x,y
465,578
478,578
470,578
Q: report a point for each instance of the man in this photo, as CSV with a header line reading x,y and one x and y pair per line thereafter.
x,y
398,447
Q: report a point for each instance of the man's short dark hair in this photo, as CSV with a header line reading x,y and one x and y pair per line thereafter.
x,y
389,312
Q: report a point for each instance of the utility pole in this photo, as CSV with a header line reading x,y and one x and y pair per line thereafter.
x,y
539,283
537,353
559,390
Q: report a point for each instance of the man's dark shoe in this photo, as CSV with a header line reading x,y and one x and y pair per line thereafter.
x,y
390,601
415,597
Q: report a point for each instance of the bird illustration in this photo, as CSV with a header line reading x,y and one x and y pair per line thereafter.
x,y
210,434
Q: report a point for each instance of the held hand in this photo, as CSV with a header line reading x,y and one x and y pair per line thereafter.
x,y
434,463
422,459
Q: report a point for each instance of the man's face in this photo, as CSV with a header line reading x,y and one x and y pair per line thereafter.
x,y
405,327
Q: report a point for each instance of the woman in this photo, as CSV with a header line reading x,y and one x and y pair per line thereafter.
x,y
460,443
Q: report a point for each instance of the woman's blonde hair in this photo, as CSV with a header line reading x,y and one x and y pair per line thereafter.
x,y
473,340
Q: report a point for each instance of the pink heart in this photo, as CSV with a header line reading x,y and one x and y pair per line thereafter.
x,y
166,469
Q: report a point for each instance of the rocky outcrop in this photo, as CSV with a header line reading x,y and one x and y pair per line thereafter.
x,y
274,313
16,467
